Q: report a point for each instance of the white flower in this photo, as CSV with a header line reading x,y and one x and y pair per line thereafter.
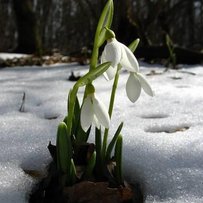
x,y
93,112
136,82
118,53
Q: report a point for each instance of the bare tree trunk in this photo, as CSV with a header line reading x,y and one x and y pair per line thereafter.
x,y
127,28
28,35
191,23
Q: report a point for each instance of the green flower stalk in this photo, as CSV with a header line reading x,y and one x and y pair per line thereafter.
x,y
120,55
111,104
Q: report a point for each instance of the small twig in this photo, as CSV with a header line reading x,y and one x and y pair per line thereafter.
x,y
22,108
187,72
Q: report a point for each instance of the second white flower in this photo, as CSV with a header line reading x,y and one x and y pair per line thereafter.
x,y
93,112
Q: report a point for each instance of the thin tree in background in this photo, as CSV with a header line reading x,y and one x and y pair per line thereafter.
x,y
28,34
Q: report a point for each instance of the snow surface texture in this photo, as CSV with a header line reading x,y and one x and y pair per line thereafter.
x,y
163,135
5,56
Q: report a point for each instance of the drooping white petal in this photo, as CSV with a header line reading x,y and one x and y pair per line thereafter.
x,y
145,85
101,113
128,59
86,116
103,56
133,88
110,73
112,53
96,122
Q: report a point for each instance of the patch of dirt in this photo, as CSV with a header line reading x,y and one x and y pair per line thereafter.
x,y
51,190
43,60
168,129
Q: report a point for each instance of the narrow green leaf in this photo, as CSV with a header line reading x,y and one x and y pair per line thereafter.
x,y
73,173
64,149
92,75
113,142
118,159
168,41
76,117
81,135
107,23
68,102
170,46
134,44
71,106
90,166
98,145
65,119
104,20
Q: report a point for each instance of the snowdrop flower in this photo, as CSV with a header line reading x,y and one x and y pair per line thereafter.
x,y
136,82
117,53
93,112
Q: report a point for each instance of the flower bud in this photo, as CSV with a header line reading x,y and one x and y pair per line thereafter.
x,y
90,89
109,34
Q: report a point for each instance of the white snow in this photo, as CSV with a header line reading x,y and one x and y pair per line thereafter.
x,y
163,135
5,56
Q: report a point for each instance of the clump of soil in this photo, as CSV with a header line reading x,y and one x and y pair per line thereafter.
x,y
50,189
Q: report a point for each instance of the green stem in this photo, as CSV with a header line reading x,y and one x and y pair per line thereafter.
x,y
113,92
71,104
111,104
95,51
93,61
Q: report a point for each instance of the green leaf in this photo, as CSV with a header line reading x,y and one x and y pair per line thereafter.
x,y
64,149
170,46
76,113
92,75
72,97
134,44
107,24
169,41
73,173
118,159
65,119
105,20
68,102
81,135
98,146
90,166
76,117
113,142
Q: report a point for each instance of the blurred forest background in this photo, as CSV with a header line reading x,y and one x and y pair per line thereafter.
x,y
34,26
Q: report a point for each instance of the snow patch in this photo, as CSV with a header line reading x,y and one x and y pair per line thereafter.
x,y
169,166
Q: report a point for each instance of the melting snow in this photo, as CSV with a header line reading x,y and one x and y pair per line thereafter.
x,y
5,56
163,135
